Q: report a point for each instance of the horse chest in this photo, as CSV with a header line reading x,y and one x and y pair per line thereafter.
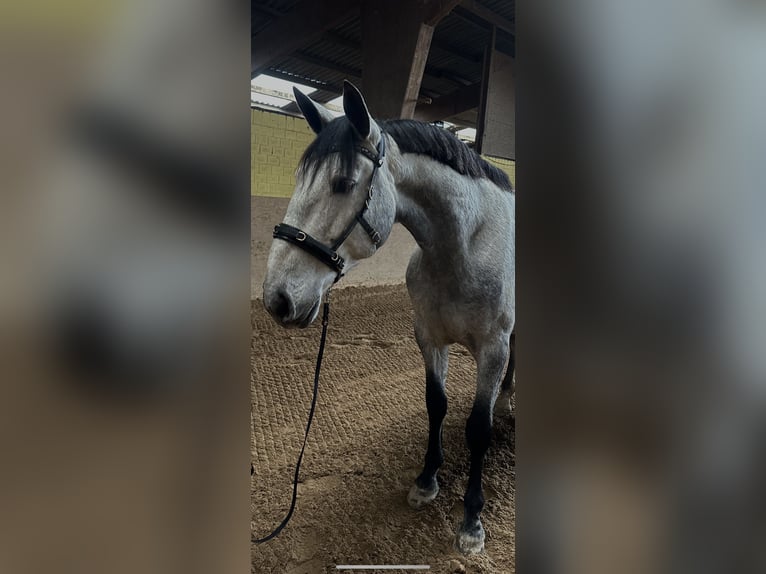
x,y
455,313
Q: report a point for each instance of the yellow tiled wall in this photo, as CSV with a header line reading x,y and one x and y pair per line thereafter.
x,y
277,143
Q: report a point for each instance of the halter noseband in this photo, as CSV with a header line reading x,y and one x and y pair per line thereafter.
x,y
329,255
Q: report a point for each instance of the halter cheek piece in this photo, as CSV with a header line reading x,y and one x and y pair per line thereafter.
x,y
329,255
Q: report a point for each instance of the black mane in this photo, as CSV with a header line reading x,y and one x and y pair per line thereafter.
x,y
427,139
411,136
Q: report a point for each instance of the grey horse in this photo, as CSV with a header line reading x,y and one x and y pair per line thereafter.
x,y
459,209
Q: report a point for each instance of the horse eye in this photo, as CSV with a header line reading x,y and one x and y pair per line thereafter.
x,y
343,185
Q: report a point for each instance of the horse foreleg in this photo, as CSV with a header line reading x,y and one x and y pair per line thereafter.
x,y
490,363
436,360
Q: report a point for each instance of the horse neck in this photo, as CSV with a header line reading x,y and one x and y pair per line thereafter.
x,y
437,205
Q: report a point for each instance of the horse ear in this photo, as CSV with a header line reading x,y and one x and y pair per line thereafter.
x,y
316,115
356,109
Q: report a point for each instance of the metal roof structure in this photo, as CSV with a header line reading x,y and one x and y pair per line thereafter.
x,y
333,53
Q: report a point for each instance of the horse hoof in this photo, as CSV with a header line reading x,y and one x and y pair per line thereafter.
x,y
503,407
503,404
419,497
470,540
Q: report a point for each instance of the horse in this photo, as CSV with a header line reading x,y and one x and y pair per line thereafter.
x,y
355,180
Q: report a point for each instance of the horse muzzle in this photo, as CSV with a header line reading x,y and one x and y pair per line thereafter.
x,y
289,311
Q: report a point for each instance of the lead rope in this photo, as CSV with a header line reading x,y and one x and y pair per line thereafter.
x,y
318,368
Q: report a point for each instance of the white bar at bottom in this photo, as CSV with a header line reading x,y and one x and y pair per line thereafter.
x,y
382,567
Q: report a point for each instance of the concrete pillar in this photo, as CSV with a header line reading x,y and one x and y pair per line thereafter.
x,y
497,112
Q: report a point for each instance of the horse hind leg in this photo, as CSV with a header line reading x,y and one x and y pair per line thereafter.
x,y
503,405
436,360
490,363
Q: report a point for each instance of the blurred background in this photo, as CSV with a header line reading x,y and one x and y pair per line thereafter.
x,y
124,297
641,375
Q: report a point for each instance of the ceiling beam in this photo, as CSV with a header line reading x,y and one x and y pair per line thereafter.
x,y
440,74
503,40
446,47
474,7
438,9
435,42
459,101
348,71
430,71
302,26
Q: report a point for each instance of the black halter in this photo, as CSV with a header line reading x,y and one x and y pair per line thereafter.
x,y
329,255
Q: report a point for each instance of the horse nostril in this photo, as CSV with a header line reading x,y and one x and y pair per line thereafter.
x,y
281,305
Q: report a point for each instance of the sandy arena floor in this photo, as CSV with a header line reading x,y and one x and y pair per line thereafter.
x,y
366,446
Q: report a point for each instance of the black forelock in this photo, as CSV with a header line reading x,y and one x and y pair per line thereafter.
x,y
411,136
339,137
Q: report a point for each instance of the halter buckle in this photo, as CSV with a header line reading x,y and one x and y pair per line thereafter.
x,y
375,237
300,236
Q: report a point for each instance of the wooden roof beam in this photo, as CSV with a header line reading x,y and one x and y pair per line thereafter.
x,y
474,7
354,73
438,9
459,101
